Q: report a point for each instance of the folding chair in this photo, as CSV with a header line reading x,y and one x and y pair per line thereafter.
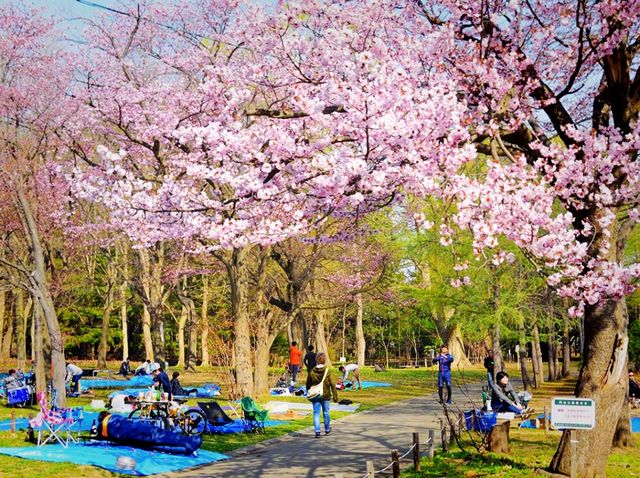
x,y
55,425
253,417
217,419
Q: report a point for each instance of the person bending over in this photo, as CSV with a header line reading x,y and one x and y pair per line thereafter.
x,y
351,368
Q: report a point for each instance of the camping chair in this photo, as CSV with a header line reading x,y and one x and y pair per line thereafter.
x,y
56,424
217,419
253,417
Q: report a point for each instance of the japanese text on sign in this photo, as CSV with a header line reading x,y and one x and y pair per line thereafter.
x,y
573,413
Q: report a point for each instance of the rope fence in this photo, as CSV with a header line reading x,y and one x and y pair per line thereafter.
x,y
415,452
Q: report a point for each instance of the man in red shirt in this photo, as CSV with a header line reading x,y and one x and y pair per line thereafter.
x,y
295,360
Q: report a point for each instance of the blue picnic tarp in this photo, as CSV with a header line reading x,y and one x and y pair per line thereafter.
x,y
136,381
106,456
207,391
635,424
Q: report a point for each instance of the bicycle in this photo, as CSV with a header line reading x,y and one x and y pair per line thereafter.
x,y
165,415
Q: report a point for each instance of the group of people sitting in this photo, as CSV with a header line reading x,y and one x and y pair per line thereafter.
x,y
160,378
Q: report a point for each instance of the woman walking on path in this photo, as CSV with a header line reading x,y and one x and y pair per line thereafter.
x,y
321,374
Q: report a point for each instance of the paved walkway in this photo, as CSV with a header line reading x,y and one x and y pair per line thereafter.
x,y
355,439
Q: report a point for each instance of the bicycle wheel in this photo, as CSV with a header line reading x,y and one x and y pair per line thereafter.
x,y
149,416
193,422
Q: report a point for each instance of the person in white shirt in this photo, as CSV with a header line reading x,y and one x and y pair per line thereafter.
x,y
73,375
143,369
349,368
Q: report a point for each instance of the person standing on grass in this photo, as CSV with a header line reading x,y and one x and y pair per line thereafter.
x,y
295,360
444,361
310,358
321,374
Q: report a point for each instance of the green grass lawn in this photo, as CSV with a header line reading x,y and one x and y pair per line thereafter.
x,y
407,383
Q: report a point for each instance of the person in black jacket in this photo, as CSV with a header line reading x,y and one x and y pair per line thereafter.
x,y
125,368
489,365
310,358
177,389
160,378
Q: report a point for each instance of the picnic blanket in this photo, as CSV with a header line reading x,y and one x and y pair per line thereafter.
x,y
136,381
109,457
366,384
206,391
635,424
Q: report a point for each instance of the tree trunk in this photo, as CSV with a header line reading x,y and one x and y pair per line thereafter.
x,y
361,344
551,351
103,348
3,320
153,295
456,347
603,378
321,334
184,316
38,346
497,349
124,323
536,356
566,347
204,322
524,371
263,342
146,334
238,272
7,340
39,285
23,311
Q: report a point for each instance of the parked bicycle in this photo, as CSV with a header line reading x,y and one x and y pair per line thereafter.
x,y
169,415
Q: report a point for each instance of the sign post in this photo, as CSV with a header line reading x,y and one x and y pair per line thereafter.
x,y
573,413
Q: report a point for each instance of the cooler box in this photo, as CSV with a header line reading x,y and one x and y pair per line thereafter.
x,y
17,396
480,421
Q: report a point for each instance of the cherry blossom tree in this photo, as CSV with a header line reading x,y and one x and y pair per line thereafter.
x,y
553,96
33,106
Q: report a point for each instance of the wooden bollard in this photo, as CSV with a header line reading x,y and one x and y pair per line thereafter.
x,y
395,467
371,473
432,444
13,421
416,452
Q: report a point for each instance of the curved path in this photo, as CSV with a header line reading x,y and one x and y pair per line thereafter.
x,y
354,439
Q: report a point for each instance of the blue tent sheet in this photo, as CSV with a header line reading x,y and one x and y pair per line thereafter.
x,y
202,392
238,426
105,456
635,424
137,381
368,385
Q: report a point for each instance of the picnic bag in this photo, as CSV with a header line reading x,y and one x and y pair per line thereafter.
x,y
317,390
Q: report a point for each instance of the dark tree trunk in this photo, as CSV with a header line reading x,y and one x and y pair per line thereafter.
x,y
536,357
603,378
522,341
566,348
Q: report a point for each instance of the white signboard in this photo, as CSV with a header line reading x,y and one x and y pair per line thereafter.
x,y
573,413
